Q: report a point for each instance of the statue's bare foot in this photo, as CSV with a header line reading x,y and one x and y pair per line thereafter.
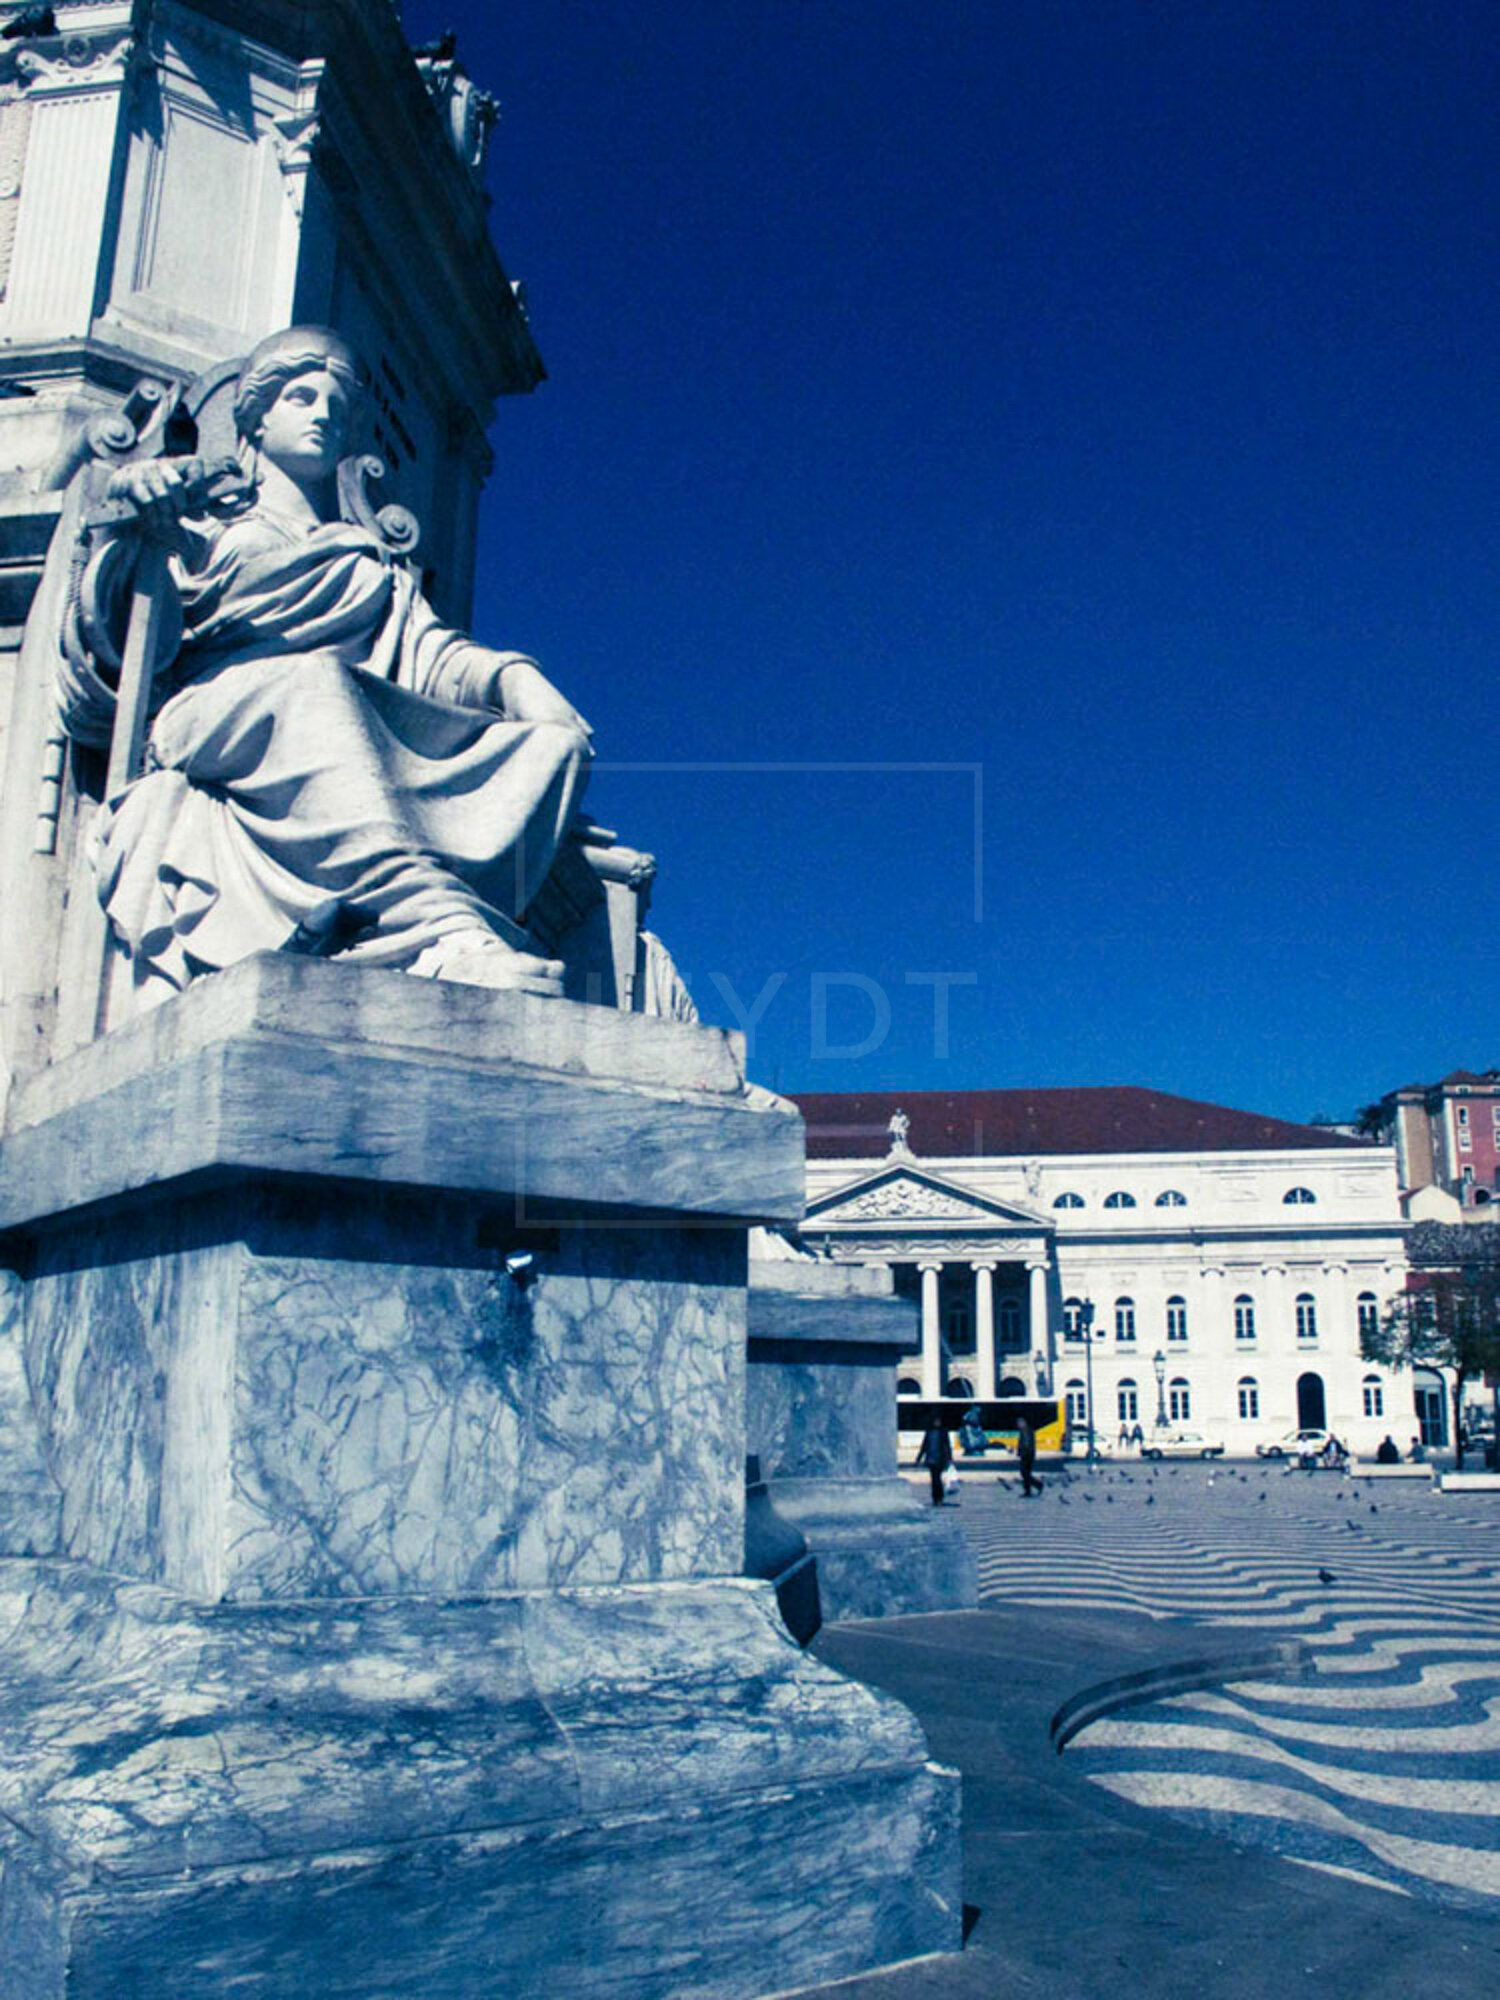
x,y
479,958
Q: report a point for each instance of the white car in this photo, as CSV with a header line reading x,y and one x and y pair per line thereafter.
x,y
1297,1444
1181,1444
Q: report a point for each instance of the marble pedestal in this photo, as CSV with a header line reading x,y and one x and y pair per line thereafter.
x,y
825,1341
383,1346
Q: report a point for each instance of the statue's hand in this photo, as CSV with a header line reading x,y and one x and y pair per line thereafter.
x,y
160,490
526,695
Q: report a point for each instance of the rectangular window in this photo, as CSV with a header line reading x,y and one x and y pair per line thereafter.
x,y
1179,1403
1307,1319
1125,1321
1374,1400
1176,1319
1249,1401
1244,1319
1129,1406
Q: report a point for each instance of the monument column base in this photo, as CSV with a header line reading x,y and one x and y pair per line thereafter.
x,y
825,1341
615,1791
385,1344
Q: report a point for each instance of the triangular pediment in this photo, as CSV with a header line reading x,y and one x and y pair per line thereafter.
x,y
908,1195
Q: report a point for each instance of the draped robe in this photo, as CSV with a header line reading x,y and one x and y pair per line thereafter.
x,y
334,763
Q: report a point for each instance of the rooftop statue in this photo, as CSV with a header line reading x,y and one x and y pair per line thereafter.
x,y
330,767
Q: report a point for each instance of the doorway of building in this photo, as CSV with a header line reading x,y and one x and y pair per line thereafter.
x,y
1431,1402
1312,1404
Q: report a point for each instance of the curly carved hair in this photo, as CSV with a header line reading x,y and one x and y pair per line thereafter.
x,y
278,359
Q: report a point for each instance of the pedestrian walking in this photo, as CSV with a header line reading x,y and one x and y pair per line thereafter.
x,y
936,1453
1026,1457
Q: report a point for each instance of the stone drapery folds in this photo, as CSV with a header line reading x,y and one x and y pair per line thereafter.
x,y
329,767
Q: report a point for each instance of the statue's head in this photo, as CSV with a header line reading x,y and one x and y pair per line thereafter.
x,y
282,360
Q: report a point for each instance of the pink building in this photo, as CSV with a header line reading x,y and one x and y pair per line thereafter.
x,y
1447,1136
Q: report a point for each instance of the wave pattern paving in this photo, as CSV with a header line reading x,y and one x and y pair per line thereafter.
x,y
1383,1765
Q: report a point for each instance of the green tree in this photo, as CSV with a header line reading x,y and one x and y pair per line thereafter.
x,y
1448,1320
1375,1121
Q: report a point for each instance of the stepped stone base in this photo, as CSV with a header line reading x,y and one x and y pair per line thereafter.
x,y
883,1550
372,1362
641,1790
825,1342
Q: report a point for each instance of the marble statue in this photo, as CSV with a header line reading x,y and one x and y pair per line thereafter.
x,y
898,1128
330,768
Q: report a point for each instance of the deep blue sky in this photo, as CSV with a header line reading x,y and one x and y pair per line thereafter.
x,y
1100,396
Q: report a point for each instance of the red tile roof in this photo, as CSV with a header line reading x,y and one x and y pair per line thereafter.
x,y
989,1124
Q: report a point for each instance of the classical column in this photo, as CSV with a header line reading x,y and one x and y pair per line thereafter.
x,y
1040,1344
984,1329
932,1333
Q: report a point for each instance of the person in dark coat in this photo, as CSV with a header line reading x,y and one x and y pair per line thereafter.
x,y
936,1453
1026,1456
1388,1452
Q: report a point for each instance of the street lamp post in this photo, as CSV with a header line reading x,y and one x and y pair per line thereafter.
x,y
1159,1364
1086,1328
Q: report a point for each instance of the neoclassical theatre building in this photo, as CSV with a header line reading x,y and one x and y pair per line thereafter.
x,y
1221,1261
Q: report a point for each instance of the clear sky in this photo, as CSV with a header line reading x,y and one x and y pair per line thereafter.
x,y
1079,412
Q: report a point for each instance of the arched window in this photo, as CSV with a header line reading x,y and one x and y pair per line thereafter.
x,y
1009,1326
1170,1198
1307,1316
1367,1307
908,1386
960,1386
1072,1319
1179,1399
1077,1401
1249,1398
1129,1402
1176,1318
1244,1317
1125,1321
1298,1197
1374,1396
1069,1200
1119,1199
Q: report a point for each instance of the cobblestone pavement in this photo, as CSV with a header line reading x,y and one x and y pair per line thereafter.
x,y
1385,1762
1332,1836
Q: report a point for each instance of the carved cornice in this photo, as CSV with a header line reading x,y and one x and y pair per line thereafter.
x,y
928,1249
60,64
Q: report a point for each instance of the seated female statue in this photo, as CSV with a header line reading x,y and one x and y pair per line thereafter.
x,y
330,766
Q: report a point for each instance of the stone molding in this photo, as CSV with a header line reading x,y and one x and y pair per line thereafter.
x,y
64,65
936,1250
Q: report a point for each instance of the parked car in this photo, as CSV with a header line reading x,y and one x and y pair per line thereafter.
x,y
1181,1444
1297,1444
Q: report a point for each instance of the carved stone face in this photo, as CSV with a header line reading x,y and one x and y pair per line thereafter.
x,y
306,430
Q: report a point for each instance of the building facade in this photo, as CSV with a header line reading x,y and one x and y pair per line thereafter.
x,y
1447,1137
1192,1265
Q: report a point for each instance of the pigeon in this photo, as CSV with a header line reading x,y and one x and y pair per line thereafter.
x,y
1325,1577
1354,1525
1260,1496
1090,1498
1150,1499
1373,1508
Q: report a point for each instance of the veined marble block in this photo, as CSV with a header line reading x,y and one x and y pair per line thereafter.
x,y
612,1792
30,1499
318,1390
821,1413
382,1345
